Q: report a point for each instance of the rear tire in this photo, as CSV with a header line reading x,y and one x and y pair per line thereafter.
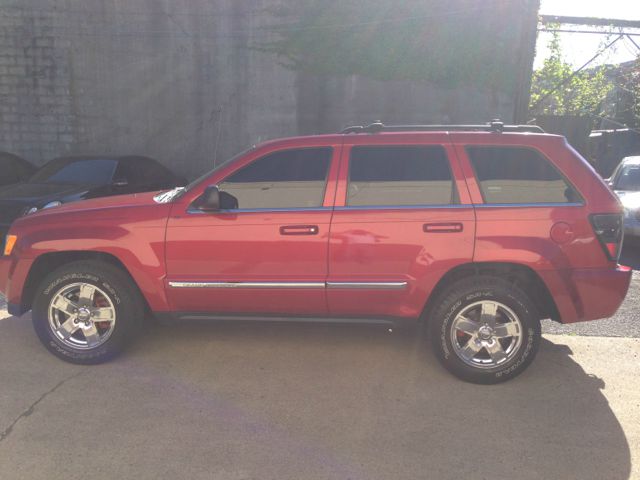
x,y
485,330
86,312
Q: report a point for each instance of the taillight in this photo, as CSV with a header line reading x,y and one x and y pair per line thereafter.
x,y
609,230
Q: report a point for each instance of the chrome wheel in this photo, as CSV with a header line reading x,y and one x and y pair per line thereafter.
x,y
82,316
486,334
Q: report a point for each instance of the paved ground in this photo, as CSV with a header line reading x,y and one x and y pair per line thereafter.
x,y
245,401
297,402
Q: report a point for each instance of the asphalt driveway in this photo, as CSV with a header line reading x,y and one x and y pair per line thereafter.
x,y
274,401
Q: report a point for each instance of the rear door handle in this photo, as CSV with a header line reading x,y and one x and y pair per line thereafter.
x,y
299,230
442,227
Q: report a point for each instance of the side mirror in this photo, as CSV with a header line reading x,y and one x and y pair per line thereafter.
x,y
209,201
120,182
213,200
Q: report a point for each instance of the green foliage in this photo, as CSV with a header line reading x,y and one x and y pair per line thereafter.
x,y
628,101
555,90
449,43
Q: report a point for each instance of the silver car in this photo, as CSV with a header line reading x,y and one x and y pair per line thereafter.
x,y
625,181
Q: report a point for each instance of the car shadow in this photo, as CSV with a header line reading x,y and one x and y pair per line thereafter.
x,y
323,401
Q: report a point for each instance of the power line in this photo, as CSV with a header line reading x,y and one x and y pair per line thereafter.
x,y
593,21
595,32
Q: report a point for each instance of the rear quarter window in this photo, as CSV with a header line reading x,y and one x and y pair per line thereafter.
x,y
518,175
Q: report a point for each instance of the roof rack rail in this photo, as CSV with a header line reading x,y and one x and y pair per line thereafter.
x,y
493,126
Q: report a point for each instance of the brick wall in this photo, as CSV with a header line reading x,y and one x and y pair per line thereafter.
x,y
179,81
36,115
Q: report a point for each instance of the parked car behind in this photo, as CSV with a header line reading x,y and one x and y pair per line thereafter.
x,y
68,179
625,181
14,169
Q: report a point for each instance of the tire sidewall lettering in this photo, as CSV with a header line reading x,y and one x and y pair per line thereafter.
x,y
474,294
77,277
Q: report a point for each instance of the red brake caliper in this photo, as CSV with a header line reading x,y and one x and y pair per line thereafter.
x,y
101,302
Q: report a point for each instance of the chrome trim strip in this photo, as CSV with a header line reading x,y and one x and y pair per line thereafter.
x,y
296,285
402,207
368,285
195,211
247,284
527,205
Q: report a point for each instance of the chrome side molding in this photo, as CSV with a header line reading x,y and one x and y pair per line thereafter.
x,y
368,285
295,285
247,284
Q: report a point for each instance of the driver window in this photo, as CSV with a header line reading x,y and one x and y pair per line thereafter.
x,y
284,179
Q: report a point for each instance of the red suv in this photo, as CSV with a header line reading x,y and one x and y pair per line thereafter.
x,y
477,231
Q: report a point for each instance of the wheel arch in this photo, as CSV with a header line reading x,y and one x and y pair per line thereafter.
x,y
521,275
47,262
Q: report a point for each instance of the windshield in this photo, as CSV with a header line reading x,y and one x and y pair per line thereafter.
x,y
628,178
215,169
95,171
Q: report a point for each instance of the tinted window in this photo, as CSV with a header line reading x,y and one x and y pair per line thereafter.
x,y
143,172
286,179
92,171
399,176
628,178
518,175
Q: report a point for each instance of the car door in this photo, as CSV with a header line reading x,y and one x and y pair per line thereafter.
x,y
268,255
402,219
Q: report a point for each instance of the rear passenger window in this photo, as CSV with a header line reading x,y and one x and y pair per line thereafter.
x,y
285,179
516,175
401,175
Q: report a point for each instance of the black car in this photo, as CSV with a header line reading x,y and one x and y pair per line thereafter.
x,y
68,179
14,169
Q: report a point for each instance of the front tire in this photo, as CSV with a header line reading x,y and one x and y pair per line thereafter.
x,y
485,330
86,312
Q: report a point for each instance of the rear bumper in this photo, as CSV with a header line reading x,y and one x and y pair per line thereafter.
x,y
588,294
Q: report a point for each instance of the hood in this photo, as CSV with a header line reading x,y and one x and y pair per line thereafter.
x,y
41,192
629,199
16,199
103,217
95,205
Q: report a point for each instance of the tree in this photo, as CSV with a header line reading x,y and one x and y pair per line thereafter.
x,y
557,90
448,43
627,93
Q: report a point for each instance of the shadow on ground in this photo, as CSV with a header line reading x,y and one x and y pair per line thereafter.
x,y
274,401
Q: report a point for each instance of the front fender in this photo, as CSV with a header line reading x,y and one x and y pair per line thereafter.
x,y
137,245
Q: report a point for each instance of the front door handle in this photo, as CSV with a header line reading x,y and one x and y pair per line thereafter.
x,y
299,230
442,227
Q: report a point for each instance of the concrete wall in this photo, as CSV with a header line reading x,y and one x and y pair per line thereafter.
x,y
176,80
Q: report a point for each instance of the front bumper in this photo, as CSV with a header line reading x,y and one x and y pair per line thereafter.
x,y
5,263
13,275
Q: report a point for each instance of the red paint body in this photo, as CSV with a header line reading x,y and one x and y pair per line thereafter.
x,y
163,243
